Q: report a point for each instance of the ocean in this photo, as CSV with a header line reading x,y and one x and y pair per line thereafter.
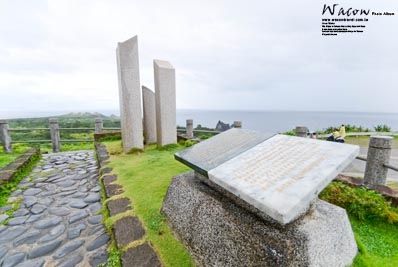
x,y
264,121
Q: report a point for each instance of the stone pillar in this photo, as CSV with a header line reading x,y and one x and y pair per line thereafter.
x,y
99,125
148,99
5,137
189,129
54,132
379,153
237,124
130,94
301,131
165,94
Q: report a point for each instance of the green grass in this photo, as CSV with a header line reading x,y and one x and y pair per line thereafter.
x,y
6,158
363,141
145,178
7,188
374,222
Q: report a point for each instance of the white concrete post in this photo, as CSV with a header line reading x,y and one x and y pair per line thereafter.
x,y
99,125
379,153
237,124
165,94
55,136
5,137
130,94
189,129
148,100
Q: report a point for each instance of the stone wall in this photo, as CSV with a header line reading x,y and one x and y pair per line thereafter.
x,y
11,170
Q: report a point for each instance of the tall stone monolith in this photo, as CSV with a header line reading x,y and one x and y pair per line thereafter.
x,y
5,138
130,94
165,94
148,100
55,135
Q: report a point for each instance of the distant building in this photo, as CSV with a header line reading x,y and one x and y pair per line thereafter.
x,y
221,126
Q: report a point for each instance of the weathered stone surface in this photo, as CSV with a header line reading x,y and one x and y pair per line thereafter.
x,y
27,238
32,192
55,136
78,203
3,251
109,179
98,257
127,230
13,259
97,219
92,197
216,230
38,208
32,263
21,212
75,231
98,242
214,151
94,208
165,96
71,261
59,211
53,234
113,190
148,100
11,233
48,222
29,201
140,256
44,249
118,206
379,153
68,248
130,94
3,217
78,215
17,221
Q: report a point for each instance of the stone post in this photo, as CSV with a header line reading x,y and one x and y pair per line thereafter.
x,y
301,131
99,125
165,94
5,137
54,132
379,153
130,95
189,129
148,99
237,124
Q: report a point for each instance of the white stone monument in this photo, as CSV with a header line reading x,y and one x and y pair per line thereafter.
x,y
130,94
148,100
165,94
253,201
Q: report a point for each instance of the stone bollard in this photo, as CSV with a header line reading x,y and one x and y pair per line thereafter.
x,y
301,131
54,132
189,128
379,153
237,124
99,125
5,137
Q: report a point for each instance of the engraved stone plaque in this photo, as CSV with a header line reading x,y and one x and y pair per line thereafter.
x,y
212,152
279,176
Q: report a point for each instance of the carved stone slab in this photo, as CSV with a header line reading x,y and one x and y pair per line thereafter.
x,y
279,176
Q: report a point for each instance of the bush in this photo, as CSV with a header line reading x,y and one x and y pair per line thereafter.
x,y
382,128
360,202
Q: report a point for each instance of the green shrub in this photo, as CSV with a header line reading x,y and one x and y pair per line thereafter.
x,y
362,203
382,128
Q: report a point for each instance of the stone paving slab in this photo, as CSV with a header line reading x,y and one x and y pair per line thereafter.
x,y
57,223
140,256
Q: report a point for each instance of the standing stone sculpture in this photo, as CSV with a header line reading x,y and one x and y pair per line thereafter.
x,y
148,100
99,125
379,153
165,94
130,94
189,128
5,138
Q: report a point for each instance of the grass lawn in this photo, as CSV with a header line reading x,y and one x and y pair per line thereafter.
x,y
363,141
6,158
145,178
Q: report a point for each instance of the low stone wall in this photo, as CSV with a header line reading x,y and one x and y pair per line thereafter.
x,y
387,192
128,228
98,137
11,170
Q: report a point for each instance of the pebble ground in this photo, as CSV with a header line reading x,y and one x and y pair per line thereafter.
x,y
58,221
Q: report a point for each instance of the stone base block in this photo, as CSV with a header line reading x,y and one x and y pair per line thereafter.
x,y
220,233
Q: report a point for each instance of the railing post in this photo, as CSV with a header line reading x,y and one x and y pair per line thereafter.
x,y
55,137
379,153
301,131
5,137
99,125
189,129
237,124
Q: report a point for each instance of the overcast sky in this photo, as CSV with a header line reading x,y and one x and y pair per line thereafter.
x,y
257,55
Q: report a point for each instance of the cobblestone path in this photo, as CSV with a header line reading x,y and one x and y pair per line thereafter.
x,y
57,223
